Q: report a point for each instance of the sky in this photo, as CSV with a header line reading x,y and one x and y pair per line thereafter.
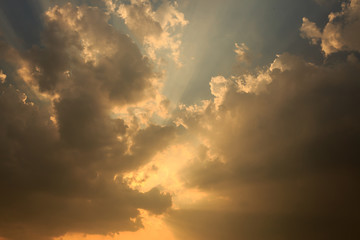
x,y
162,119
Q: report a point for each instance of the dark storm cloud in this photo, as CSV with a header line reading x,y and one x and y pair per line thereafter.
x,y
62,154
286,156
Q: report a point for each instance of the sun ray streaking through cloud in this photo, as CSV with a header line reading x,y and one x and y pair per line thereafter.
x,y
171,120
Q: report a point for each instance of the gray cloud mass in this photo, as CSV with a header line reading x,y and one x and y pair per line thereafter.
x,y
277,146
286,158
58,157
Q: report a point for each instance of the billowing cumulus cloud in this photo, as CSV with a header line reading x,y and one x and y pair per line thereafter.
x,y
88,144
340,33
283,160
62,152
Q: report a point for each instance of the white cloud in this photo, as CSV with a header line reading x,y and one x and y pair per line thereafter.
x,y
156,29
242,52
310,30
219,86
341,33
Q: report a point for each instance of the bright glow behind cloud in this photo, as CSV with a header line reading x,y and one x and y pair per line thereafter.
x,y
91,147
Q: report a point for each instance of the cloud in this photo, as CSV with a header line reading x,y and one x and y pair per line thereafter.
x,y
82,46
232,225
283,160
340,33
310,30
85,134
2,76
62,152
219,87
156,29
242,53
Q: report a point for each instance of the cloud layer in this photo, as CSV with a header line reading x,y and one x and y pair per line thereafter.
x,y
283,160
88,146
60,145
